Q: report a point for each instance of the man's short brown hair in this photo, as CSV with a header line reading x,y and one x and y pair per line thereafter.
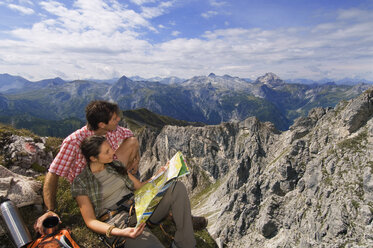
x,y
100,111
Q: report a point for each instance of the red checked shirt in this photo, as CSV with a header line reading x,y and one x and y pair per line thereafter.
x,y
70,161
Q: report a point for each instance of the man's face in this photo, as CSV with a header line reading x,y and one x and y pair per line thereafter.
x,y
113,123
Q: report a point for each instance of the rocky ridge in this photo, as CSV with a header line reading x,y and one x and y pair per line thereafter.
x,y
310,186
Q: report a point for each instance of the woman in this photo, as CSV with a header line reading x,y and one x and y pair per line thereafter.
x,y
98,188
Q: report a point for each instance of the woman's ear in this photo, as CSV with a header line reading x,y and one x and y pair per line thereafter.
x,y
93,159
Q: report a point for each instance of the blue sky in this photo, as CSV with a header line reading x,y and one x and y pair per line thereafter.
x,y
101,39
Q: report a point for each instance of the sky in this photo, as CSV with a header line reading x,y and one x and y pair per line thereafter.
x,y
103,39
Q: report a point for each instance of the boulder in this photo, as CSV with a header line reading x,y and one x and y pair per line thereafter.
x,y
23,191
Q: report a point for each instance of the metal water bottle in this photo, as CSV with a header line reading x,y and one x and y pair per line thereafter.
x,y
14,223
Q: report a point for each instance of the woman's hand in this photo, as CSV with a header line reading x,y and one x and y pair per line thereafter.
x,y
131,232
163,168
160,170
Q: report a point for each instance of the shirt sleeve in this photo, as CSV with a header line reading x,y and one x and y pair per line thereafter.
x,y
78,188
124,133
62,163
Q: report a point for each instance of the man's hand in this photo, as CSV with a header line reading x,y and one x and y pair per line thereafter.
x,y
134,165
38,225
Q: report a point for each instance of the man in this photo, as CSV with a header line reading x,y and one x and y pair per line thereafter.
x,y
102,119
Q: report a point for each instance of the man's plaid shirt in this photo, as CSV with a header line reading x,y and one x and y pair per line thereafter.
x,y
70,161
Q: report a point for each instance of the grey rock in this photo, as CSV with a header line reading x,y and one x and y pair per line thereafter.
x,y
310,186
358,111
23,191
20,153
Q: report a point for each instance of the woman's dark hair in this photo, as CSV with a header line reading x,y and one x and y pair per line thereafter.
x,y
100,111
91,146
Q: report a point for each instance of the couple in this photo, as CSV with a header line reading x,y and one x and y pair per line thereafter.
x,y
98,186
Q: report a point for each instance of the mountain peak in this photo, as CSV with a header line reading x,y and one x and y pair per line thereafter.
x,y
270,79
123,78
211,75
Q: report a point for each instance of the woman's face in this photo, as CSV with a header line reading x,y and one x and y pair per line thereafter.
x,y
106,153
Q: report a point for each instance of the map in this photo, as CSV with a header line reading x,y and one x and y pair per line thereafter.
x,y
149,195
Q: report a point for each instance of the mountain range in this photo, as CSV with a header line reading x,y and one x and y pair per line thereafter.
x,y
208,99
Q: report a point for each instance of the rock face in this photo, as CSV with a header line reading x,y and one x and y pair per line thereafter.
x,y
310,186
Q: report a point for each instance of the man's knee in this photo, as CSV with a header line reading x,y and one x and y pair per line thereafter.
x,y
130,142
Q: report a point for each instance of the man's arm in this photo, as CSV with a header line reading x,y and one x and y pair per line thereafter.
x,y
50,190
49,194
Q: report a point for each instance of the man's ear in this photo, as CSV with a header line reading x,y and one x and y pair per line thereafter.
x,y
101,125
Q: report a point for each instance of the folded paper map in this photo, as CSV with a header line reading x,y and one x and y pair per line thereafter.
x,y
149,195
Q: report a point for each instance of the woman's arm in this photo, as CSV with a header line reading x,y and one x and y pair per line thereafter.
x,y
86,209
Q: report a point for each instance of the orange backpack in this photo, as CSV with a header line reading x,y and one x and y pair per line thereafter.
x,y
59,239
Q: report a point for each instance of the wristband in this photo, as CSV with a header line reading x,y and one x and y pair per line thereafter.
x,y
50,210
108,231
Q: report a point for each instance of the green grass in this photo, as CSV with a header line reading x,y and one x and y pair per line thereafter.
x,y
138,118
38,168
286,150
206,191
356,204
7,130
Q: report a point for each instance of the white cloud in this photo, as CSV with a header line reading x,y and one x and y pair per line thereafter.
x,y
357,14
22,9
216,3
176,33
142,2
94,15
209,14
95,39
29,2
151,12
343,51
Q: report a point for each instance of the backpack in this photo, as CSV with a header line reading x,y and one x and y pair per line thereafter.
x,y
59,239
